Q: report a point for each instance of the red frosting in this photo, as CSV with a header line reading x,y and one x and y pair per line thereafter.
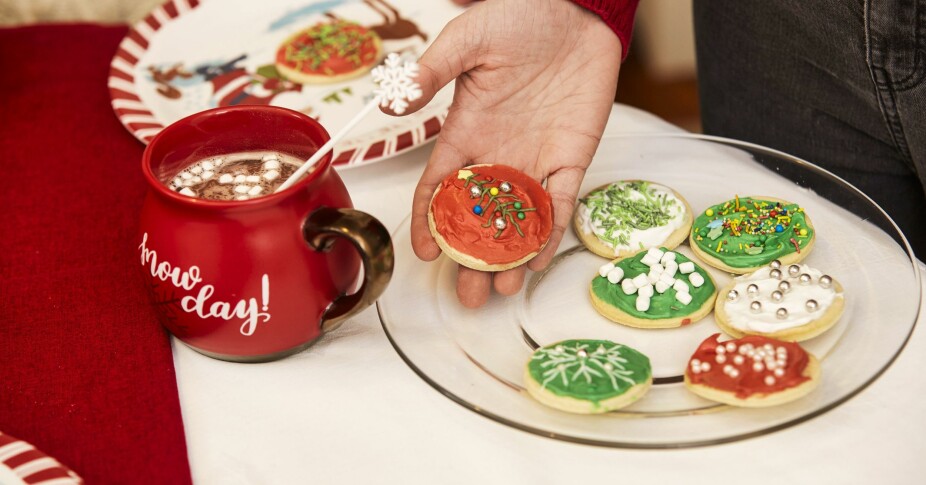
x,y
748,381
461,228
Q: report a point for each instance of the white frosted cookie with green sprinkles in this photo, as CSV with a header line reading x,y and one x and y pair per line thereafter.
x,y
587,376
619,219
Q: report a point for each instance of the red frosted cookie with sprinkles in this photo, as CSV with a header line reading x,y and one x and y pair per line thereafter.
x,y
752,371
490,217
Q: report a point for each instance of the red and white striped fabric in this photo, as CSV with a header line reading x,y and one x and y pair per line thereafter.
x,y
22,463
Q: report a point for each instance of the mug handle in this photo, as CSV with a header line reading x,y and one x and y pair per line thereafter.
x,y
373,243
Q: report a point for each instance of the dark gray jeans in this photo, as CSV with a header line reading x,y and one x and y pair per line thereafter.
x,y
841,83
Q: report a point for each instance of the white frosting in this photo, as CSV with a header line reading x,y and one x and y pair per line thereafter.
x,y
646,238
795,300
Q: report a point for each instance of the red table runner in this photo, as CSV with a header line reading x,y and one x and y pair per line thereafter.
x,y
86,373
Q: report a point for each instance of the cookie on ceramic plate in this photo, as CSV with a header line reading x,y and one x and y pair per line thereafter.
x,y
794,303
587,376
619,219
745,233
657,288
490,217
752,371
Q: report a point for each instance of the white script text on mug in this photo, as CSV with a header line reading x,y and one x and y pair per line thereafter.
x,y
248,309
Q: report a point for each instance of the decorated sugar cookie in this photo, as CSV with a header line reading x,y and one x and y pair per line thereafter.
x,y
490,217
752,371
794,302
657,288
619,219
587,376
329,52
746,233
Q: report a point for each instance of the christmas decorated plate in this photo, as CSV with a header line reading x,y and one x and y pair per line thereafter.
x,y
21,464
477,357
312,56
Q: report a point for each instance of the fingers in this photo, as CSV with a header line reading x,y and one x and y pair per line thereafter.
x,y
562,185
473,287
444,160
509,282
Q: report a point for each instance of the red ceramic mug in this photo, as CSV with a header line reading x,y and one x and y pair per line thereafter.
x,y
258,279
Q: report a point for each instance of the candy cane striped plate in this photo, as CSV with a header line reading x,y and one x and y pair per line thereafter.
x,y
190,55
21,463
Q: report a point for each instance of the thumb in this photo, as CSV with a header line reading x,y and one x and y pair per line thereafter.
x,y
451,54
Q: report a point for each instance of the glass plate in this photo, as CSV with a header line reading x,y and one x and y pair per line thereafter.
x,y
477,357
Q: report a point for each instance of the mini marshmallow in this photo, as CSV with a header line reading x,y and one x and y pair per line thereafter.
x,y
208,175
642,303
273,164
272,175
640,280
649,260
665,278
669,256
187,192
240,179
628,286
255,190
605,269
686,267
242,197
270,156
177,182
252,179
196,170
657,268
196,180
226,179
680,286
646,291
656,253
683,298
207,166
653,277
186,175
671,268
662,286
218,162
696,279
242,189
615,275
187,183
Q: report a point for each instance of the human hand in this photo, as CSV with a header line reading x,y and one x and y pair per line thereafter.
x,y
535,81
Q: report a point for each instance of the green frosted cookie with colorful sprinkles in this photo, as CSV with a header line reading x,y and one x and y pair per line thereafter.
x,y
587,376
746,233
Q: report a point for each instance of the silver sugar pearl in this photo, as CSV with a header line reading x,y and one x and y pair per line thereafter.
x,y
784,286
500,223
608,366
777,296
793,270
582,353
812,305
475,191
733,295
805,279
781,313
826,281
769,381
775,273
504,187
775,264
752,289
755,307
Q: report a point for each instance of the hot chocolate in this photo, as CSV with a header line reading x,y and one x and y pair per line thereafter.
x,y
238,176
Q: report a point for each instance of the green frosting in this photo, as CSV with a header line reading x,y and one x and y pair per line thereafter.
x,y
614,209
590,370
746,231
661,305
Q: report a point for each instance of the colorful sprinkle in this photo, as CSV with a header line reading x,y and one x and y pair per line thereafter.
x,y
709,212
779,228
803,232
493,191
477,210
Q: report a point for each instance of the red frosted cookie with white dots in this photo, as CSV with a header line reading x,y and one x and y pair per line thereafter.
x,y
490,217
752,371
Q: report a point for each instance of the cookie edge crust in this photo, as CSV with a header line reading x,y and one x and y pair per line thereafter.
x,y
759,400
593,244
583,406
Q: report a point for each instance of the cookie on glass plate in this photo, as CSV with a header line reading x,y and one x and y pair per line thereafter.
x,y
490,217
587,376
657,288
619,219
752,371
745,233
793,303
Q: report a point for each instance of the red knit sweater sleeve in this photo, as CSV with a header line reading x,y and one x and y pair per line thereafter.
x,y
618,14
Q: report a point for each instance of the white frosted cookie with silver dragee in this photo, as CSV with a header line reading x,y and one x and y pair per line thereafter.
x,y
619,219
787,302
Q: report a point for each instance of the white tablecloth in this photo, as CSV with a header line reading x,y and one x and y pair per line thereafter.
x,y
349,410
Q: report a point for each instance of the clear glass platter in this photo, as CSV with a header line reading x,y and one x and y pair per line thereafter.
x,y
477,357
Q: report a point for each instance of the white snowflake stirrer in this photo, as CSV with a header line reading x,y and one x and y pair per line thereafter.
x,y
396,87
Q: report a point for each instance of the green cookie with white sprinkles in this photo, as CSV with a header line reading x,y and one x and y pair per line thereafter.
x,y
587,376
744,234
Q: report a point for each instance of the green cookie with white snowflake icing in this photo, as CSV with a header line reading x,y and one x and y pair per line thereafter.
x,y
587,376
